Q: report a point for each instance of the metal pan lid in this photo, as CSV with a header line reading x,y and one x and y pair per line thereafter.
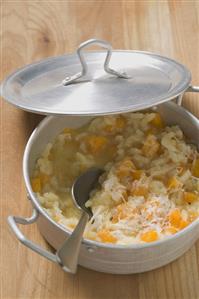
x,y
79,84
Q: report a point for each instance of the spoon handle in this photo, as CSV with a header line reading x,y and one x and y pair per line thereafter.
x,y
69,252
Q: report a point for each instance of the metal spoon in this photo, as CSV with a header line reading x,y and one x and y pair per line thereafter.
x,y
69,252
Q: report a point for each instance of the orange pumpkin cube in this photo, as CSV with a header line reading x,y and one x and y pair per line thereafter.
x,y
96,143
149,236
106,236
136,174
195,168
183,224
157,121
174,183
39,182
36,184
140,191
190,197
172,230
175,218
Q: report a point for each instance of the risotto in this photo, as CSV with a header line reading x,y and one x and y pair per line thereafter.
x,y
150,185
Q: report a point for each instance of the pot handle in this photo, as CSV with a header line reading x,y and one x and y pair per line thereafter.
x,y
14,220
189,89
193,89
67,259
103,44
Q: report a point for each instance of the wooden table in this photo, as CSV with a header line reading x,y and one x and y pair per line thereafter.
x,y
32,30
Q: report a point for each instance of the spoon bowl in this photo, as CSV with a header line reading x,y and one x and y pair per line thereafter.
x,y
82,187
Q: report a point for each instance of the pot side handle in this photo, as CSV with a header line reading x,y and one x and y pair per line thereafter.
x,y
193,89
14,220
57,258
189,89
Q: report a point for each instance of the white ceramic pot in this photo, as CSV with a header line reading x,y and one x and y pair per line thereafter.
x,y
117,259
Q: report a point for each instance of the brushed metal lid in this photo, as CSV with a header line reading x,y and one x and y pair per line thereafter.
x,y
79,85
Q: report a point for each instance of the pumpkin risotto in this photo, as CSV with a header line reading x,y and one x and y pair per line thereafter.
x,y
150,187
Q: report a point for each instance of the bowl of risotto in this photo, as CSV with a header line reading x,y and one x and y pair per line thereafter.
x,y
146,205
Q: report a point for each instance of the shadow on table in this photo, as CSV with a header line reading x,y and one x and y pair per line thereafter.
x,y
30,121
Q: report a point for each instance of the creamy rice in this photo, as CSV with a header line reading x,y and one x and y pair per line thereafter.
x,y
150,187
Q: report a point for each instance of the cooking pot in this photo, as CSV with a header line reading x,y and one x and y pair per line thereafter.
x,y
123,259
36,87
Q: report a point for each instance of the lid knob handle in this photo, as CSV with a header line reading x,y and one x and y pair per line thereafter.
x,y
103,44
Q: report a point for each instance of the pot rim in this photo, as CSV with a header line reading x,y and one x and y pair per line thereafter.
x,y
87,242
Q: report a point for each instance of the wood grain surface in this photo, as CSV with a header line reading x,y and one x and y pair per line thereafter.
x,y
32,30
